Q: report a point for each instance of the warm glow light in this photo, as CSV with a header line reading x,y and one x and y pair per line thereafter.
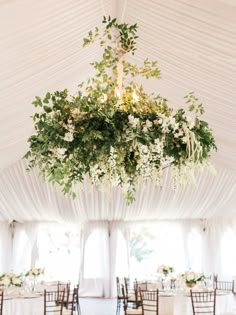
x,y
104,98
135,96
117,93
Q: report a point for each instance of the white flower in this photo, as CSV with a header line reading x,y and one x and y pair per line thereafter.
x,y
190,122
145,129
172,121
175,126
6,281
16,281
190,276
75,112
61,151
134,122
148,123
69,137
165,269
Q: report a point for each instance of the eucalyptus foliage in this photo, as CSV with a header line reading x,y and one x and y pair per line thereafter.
x,y
112,130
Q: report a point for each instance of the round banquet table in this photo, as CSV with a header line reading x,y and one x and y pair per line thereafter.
x,y
179,303
24,305
19,301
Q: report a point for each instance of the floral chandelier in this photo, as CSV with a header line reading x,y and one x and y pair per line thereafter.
x,y
114,132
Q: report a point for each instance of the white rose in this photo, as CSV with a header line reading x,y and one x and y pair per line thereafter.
x,y
190,276
6,281
10,275
16,281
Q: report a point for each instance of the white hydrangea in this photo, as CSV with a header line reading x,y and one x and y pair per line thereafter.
x,y
69,136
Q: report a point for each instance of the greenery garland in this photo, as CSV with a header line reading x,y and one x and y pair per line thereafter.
x,y
112,130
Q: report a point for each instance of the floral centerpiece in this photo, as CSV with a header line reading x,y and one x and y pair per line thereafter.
x,y
10,279
112,131
35,272
165,270
192,278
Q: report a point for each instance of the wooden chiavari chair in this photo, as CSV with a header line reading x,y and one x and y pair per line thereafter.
x,y
1,301
66,287
203,302
127,310
130,294
119,295
224,285
150,302
72,304
53,302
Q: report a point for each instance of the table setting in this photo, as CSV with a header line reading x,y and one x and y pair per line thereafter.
x,y
176,300
24,293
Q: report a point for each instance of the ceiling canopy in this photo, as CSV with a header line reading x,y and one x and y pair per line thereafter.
x,y
41,51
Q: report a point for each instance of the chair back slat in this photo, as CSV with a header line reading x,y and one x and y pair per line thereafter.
x,y
203,302
150,301
53,302
1,301
72,303
224,285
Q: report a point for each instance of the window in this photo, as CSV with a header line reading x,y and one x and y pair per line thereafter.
x,y
59,252
153,244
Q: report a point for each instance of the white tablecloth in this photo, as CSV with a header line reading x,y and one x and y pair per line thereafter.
x,y
23,306
180,304
17,301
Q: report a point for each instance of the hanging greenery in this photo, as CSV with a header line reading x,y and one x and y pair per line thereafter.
x,y
112,130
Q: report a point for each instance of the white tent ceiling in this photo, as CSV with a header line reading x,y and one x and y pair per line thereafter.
x,y
41,50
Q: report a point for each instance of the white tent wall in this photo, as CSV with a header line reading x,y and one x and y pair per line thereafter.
x,y
100,250
41,50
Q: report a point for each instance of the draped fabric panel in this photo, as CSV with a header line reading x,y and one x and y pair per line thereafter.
x,y
25,196
5,246
24,251
119,253
105,251
41,50
95,273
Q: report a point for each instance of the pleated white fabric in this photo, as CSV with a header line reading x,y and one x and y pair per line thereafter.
x,y
24,196
41,50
